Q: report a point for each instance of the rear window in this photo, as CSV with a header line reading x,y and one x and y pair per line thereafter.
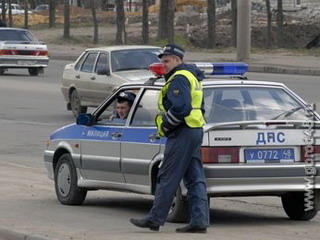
x,y
17,35
229,104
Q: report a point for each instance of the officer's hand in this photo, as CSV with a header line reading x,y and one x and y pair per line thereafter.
x,y
165,130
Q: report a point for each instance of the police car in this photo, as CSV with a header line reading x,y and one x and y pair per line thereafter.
x,y
260,139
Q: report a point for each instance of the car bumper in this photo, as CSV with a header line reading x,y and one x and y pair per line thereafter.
x,y
48,162
259,180
24,62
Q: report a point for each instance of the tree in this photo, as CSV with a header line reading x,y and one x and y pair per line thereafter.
x,y
26,17
3,13
10,14
170,22
211,10
234,22
163,15
269,22
66,29
145,21
121,36
95,22
52,13
280,24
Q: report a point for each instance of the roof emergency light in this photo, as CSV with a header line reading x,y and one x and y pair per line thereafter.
x,y
157,69
222,68
214,68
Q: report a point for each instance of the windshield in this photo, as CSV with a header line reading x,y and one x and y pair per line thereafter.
x,y
229,104
17,35
123,60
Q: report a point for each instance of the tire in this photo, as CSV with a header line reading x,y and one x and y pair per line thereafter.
x,y
2,71
294,206
65,182
34,71
179,211
75,103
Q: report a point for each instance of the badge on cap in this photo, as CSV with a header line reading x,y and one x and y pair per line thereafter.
x,y
122,94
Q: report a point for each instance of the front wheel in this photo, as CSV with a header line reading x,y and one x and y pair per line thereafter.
x,y
75,103
295,204
65,182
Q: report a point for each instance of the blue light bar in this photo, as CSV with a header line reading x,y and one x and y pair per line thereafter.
x,y
223,68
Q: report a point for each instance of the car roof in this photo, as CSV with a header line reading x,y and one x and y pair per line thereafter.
x,y
9,28
215,82
123,47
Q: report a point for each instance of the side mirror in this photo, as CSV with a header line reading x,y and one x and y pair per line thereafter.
x,y
84,119
103,71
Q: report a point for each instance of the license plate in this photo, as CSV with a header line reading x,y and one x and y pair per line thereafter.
x,y
26,63
274,155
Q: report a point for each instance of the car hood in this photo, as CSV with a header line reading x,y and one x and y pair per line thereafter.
x,y
134,75
71,131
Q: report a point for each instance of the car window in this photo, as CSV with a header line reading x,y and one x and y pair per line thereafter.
x,y
108,114
80,61
17,35
147,109
88,63
102,62
133,59
250,103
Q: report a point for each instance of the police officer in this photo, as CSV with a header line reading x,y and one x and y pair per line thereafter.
x,y
181,121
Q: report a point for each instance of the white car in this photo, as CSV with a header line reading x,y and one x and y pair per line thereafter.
x,y
19,48
15,9
98,71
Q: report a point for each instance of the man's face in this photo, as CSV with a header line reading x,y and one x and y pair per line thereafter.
x,y
123,109
170,62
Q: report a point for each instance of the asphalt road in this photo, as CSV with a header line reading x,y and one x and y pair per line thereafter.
x,y
32,107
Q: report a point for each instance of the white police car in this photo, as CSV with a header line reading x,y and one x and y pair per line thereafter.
x,y
260,139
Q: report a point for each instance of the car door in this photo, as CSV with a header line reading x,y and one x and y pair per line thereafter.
x,y
85,76
100,148
140,143
103,82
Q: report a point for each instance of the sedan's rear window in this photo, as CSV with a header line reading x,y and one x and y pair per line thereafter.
x,y
229,104
17,35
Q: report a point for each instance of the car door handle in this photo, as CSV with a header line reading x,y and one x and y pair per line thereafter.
x,y
154,137
78,76
116,135
93,78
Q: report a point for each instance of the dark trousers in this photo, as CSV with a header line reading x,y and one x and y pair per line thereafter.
x,y
182,160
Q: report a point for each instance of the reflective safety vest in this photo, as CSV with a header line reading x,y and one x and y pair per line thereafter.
x,y
195,118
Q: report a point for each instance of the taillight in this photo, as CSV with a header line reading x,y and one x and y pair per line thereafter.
x,y
40,53
312,151
220,154
10,52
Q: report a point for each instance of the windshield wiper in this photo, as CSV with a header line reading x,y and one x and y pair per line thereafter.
x,y
287,113
131,68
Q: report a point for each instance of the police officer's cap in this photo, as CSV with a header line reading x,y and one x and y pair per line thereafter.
x,y
172,49
126,96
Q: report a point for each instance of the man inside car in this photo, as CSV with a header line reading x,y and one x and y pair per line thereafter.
x,y
124,103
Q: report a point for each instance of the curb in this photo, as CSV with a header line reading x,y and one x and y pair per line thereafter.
x,y
283,70
7,234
